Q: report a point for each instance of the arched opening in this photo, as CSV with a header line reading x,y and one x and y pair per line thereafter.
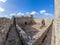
x,y
25,23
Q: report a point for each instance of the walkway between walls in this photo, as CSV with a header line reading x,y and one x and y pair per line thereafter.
x,y
36,39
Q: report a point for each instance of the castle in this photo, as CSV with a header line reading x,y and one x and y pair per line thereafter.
x,y
25,31
31,31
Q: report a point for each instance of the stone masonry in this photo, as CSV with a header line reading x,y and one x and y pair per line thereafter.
x,y
25,31
30,31
56,24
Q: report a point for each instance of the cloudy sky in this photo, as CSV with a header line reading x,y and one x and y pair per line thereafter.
x,y
39,8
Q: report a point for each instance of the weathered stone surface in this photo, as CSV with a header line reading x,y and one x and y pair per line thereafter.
x,y
56,37
41,35
30,31
48,37
12,37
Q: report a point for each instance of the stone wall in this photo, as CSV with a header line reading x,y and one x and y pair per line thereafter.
x,y
37,20
4,20
24,20
48,21
57,23
40,36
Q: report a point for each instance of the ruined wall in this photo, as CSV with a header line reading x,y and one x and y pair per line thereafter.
x,y
48,21
40,36
37,20
4,20
23,20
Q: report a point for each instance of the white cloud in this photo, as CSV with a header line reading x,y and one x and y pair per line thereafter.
x,y
42,11
1,9
3,15
47,14
19,14
12,14
23,14
3,1
33,13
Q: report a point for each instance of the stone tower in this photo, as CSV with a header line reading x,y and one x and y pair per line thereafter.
x,y
56,24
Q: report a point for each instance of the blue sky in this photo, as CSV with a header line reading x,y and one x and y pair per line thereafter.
x,y
38,8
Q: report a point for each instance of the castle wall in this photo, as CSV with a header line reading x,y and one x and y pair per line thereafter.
x,y
48,21
4,20
40,36
23,20
56,25
37,20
